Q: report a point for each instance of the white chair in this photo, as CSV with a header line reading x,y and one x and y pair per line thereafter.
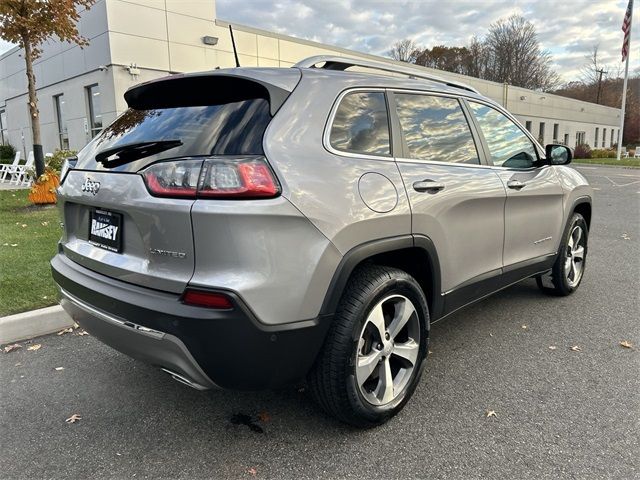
x,y
8,169
623,152
22,176
637,153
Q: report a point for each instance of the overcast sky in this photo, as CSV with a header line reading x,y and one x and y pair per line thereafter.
x,y
568,29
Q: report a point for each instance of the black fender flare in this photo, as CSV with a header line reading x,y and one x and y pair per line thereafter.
x,y
362,252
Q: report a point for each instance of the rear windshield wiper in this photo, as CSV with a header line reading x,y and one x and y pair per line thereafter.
x,y
133,151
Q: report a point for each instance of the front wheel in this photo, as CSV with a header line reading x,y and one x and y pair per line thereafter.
x,y
568,269
374,353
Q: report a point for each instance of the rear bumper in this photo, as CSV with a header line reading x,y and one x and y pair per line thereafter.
x,y
201,347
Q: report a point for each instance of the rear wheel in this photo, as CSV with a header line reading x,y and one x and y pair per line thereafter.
x,y
374,353
568,269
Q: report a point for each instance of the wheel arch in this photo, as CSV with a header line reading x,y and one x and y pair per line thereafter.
x,y
414,254
582,205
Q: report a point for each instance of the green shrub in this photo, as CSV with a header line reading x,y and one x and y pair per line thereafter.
x,y
7,152
55,162
603,153
582,151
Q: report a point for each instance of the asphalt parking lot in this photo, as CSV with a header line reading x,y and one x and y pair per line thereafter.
x,y
559,413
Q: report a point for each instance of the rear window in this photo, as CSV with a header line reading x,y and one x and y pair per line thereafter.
x,y
361,124
234,128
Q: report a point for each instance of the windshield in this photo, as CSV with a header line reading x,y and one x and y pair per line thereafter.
x,y
234,128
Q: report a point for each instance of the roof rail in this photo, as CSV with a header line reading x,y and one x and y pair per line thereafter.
x,y
332,62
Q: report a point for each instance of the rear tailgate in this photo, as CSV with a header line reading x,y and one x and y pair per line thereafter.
x,y
155,233
113,224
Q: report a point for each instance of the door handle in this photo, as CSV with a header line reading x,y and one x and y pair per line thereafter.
x,y
516,184
428,186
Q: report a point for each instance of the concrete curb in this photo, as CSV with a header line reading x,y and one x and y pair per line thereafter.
x,y
23,326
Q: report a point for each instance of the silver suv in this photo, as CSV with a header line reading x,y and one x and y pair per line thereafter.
x,y
247,228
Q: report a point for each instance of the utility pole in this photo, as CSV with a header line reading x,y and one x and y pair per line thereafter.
x,y
601,72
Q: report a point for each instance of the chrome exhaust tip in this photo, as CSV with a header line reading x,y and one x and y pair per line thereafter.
x,y
182,379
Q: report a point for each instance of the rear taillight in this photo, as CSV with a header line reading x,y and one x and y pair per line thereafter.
x,y
203,298
223,178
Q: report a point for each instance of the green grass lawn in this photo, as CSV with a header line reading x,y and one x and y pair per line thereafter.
x,y
28,239
623,162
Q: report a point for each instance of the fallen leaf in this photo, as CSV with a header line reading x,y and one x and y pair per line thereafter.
x,y
58,369
23,225
82,332
491,334
264,417
552,347
75,325
575,348
524,327
626,344
44,224
491,413
66,330
625,236
252,471
14,244
34,347
73,418
44,297
11,348
430,353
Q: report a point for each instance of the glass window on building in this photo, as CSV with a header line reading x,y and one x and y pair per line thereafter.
x,y
541,133
556,133
612,135
580,136
604,137
4,138
95,110
566,139
61,119
528,125
595,143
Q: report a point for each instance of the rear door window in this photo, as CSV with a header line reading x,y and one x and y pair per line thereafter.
x,y
435,129
361,124
508,144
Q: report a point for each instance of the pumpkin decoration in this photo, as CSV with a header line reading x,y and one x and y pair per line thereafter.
x,y
43,190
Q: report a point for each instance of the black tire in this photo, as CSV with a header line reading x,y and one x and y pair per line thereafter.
x,y
558,283
332,380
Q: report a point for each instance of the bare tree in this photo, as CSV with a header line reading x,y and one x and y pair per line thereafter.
x,y
404,51
513,55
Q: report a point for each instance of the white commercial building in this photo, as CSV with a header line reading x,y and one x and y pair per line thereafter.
x,y
80,90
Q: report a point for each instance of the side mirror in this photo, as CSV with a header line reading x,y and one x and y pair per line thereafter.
x,y
558,154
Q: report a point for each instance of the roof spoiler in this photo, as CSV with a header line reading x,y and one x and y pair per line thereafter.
x,y
210,88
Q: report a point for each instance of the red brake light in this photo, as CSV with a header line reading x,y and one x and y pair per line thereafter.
x,y
202,298
212,178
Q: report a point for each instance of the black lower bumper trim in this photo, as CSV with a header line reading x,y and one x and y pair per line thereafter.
x,y
231,347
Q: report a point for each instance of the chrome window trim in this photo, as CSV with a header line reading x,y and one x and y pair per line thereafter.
x,y
326,141
467,165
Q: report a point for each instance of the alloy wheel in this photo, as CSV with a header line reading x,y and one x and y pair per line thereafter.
x,y
388,350
574,260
